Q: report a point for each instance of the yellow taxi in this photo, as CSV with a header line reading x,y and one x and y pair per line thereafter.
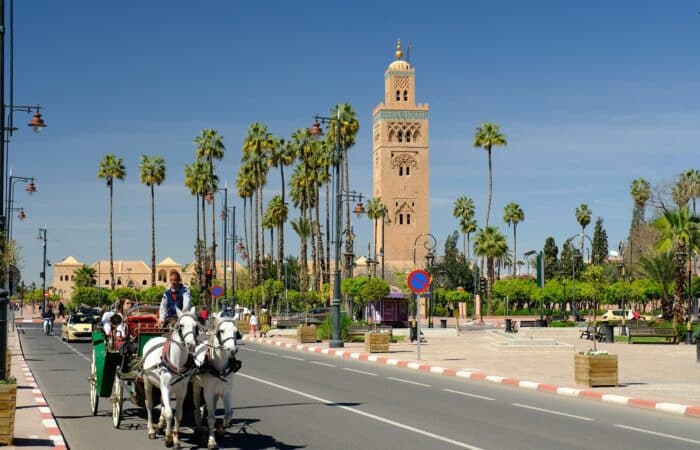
x,y
77,326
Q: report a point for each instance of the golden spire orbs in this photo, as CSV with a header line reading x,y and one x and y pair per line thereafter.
x,y
399,53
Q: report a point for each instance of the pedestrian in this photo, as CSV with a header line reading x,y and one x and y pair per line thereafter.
x,y
450,310
253,322
61,310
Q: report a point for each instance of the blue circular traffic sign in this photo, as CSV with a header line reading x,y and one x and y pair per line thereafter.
x,y
418,281
217,291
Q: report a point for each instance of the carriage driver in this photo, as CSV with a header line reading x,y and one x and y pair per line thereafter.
x,y
175,297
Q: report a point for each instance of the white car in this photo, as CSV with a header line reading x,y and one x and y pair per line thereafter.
x,y
616,315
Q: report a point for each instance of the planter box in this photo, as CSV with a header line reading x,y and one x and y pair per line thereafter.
x,y
595,370
8,402
243,326
376,342
306,334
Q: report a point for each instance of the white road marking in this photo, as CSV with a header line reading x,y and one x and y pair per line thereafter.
x,y
74,349
268,353
366,414
322,364
292,357
519,405
408,381
247,349
656,433
467,394
360,371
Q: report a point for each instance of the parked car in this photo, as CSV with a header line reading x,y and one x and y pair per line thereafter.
x,y
77,326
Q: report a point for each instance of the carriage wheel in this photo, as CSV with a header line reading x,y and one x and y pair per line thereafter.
x,y
117,402
94,398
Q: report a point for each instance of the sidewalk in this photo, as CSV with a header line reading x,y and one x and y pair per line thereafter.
x,y
648,373
35,426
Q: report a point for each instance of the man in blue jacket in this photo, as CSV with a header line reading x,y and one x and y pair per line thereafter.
x,y
177,296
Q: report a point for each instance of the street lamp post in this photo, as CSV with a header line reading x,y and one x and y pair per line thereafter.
x,y
42,237
429,244
385,220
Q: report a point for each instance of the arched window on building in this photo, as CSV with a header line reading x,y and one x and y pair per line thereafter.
x,y
144,282
408,170
106,282
400,219
162,275
60,278
408,219
405,96
400,171
119,281
408,136
398,96
400,136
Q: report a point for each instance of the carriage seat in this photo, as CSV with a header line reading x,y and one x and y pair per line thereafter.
x,y
142,323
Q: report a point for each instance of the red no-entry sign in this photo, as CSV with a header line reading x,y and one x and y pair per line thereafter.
x,y
418,281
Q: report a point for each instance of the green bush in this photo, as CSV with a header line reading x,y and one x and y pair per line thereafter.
x,y
562,324
324,330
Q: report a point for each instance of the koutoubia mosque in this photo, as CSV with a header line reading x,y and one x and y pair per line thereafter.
x,y
400,141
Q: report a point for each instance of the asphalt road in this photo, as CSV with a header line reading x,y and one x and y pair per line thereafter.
x,y
287,399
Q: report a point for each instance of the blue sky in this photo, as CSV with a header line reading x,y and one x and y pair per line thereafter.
x,y
591,95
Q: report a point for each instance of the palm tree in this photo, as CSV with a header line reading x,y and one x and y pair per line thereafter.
x,y
302,228
640,190
691,179
152,173
491,244
111,168
680,232
191,183
487,136
375,212
281,155
467,227
661,269
512,215
84,276
349,127
245,187
464,212
210,147
583,217
278,211
256,147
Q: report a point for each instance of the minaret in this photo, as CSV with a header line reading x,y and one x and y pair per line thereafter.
x,y
401,166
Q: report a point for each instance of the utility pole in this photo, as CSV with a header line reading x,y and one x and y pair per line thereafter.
x,y
42,235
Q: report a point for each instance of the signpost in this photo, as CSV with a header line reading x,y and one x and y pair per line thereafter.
x,y
217,291
418,281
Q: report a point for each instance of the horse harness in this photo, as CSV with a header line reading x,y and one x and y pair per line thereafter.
x,y
232,366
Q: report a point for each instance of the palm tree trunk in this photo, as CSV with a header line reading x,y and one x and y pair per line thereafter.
x,y
197,248
111,253
205,256
488,207
319,236
327,278
314,254
346,187
257,239
489,285
245,233
678,303
213,232
261,205
375,248
251,251
153,236
515,243
468,247
280,230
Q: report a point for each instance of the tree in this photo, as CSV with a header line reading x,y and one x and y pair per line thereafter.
x,y
599,252
680,232
374,290
210,147
278,212
487,136
152,173
512,215
661,269
464,212
302,228
453,270
281,155
84,276
583,217
692,177
111,168
375,212
571,261
684,189
490,244
640,191
551,262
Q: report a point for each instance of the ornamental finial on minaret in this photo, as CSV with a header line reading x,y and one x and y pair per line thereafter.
x,y
399,53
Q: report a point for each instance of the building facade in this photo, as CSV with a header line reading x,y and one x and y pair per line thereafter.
x,y
400,141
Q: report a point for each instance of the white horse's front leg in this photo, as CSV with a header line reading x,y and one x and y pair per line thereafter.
x,y
180,393
167,410
228,404
197,399
210,399
148,390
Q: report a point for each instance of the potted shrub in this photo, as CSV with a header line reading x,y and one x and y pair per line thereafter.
x,y
595,368
306,334
8,403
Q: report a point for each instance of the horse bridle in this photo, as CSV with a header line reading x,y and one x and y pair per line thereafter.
x,y
217,333
178,328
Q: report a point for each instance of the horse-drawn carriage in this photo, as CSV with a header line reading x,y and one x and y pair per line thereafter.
x,y
117,360
149,360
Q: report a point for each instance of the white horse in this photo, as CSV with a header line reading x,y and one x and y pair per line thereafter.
x,y
216,359
167,365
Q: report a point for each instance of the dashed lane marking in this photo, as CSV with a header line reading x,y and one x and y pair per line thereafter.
x,y
292,357
322,364
75,350
656,433
248,349
409,381
360,371
422,432
467,394
268,353
558,413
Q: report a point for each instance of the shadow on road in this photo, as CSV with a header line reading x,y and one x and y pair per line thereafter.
x,y
29,442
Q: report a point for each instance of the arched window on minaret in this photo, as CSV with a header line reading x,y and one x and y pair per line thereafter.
x,y
398,96
408,136
405,96
400,136
400,171
408,170
408,219
400,219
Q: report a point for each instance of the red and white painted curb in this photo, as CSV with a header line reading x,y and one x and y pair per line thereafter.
x,y
666,407
47,418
